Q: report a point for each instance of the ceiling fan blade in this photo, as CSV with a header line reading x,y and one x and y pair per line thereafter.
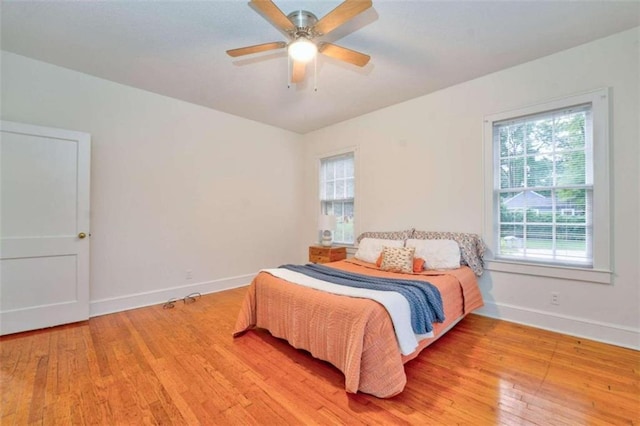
x,y
274,15
344,54
341,14
299,68
256,48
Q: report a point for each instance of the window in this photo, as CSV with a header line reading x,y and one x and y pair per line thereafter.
x,y
337,194
548,197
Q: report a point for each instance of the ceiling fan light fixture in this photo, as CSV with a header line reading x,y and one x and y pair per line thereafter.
x,y
302,50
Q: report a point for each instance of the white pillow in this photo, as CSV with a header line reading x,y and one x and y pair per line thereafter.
x,y
369,249
437,254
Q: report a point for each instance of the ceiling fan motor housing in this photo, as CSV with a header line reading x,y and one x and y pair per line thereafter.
x,y
302,18
304,22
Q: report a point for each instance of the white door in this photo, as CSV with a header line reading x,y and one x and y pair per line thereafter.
x,y
44,227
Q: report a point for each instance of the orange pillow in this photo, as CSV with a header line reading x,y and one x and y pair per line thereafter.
x,y
418,263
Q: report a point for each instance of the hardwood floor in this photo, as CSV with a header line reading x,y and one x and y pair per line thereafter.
x,y
181,366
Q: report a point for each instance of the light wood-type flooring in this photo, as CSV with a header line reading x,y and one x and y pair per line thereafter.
x,y
181,366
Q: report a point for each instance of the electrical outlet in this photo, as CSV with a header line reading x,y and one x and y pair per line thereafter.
x,y
555,298
189,274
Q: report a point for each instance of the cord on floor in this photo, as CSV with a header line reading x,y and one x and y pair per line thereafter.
x,y
189,298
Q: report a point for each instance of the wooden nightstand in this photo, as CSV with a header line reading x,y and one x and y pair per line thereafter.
x,y
321,254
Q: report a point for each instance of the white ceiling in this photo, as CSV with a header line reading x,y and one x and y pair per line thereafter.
x,y
177,48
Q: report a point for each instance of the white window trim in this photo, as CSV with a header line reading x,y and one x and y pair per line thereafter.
x,y
356,208
600,272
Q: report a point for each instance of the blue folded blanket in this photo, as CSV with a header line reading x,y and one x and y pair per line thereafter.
x,y
424,298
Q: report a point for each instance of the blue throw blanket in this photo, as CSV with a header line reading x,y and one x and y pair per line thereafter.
x,y
423,297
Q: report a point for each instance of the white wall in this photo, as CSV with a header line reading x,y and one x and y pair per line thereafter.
x,y
177,186
174,186
420,165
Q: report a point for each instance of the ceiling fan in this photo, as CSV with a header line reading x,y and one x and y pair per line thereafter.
x,y
303,28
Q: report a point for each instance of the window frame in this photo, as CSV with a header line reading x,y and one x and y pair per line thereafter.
x,y
323,156
600,270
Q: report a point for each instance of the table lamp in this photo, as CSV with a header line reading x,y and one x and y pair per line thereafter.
x,y
326,224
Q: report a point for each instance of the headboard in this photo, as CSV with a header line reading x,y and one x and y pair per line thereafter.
x,y
471,245
392,235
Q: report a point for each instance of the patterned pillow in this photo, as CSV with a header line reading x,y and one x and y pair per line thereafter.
x,y
418,263
398,259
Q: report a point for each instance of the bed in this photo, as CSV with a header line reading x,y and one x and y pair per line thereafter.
x,y
357,334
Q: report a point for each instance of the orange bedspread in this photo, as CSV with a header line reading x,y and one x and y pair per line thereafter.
x,y
355,335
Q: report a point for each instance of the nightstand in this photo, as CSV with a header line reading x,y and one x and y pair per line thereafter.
x,y
321,254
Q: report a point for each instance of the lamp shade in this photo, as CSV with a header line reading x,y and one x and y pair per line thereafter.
x,y
326,222
302,50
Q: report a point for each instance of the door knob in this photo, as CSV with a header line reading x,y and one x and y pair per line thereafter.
x,y
82,235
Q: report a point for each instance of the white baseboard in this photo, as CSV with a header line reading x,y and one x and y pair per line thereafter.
x,y
139,300
627,337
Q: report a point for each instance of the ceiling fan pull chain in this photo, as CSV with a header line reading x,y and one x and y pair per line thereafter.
x,y
315,73
288,72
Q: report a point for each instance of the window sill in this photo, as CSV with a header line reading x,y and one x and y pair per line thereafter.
x,y
564,272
